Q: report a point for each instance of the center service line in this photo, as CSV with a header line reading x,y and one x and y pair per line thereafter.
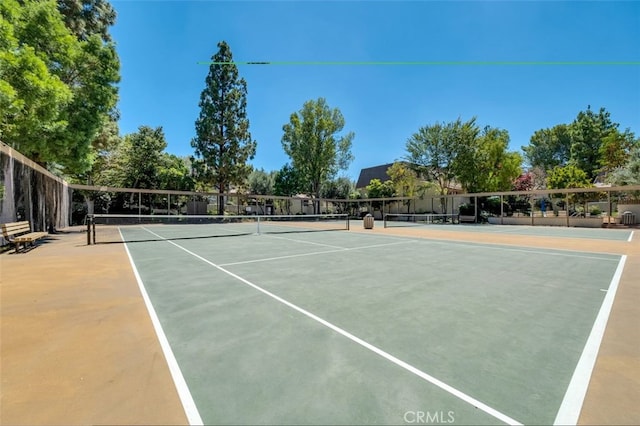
x,y
314,253
450,389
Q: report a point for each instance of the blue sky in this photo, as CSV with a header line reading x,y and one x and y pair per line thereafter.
x,y
161,42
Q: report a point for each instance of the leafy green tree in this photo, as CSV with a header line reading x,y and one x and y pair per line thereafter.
x,y
92,77
569,176
89,67
592,142
312,142
32,96
223,144
140,162
549,148
587,132
484,164
405,182
341,188
137,161
142,158
260,182
58,89
615,150
95,76
434,150
104,149
287,183
629,174
174,173
379,189
338,189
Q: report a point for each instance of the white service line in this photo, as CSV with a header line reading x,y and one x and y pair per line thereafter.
x,y
630,237
188,404
315,253
574,397
453,391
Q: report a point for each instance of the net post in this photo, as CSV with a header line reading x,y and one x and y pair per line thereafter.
x,y
258,230
93,225
608,208
88,220
348,223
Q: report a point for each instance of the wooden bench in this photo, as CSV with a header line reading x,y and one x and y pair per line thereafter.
x,y
20,233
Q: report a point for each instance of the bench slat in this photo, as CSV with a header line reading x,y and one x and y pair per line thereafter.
x,y
16,231
30,237
16,227
21,223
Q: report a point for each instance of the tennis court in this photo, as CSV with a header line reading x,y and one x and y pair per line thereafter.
x,y
426,221
352,328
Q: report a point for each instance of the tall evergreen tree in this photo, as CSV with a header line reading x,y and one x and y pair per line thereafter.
x,y
223,144
588,131
88,17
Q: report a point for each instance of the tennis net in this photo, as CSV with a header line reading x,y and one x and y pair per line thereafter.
x,y
398,219
115,228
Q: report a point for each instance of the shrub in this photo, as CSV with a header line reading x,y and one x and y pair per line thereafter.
x,y
492,206
467,209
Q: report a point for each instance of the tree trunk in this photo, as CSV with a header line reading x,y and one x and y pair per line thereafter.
x,y
90,204
316,200
221,189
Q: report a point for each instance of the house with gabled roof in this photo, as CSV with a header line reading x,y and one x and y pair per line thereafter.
x,y
380,173
376,172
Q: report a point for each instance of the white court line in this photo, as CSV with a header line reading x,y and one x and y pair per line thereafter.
x,y
630,237
304,242
574,397
291,256
188,404
453,391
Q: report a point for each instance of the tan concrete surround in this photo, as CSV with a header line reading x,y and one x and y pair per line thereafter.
x,y
78,346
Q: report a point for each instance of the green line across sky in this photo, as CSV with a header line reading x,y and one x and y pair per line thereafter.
x,y
432,63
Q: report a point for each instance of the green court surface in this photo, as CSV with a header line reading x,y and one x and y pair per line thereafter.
x,y
351,328
539,230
